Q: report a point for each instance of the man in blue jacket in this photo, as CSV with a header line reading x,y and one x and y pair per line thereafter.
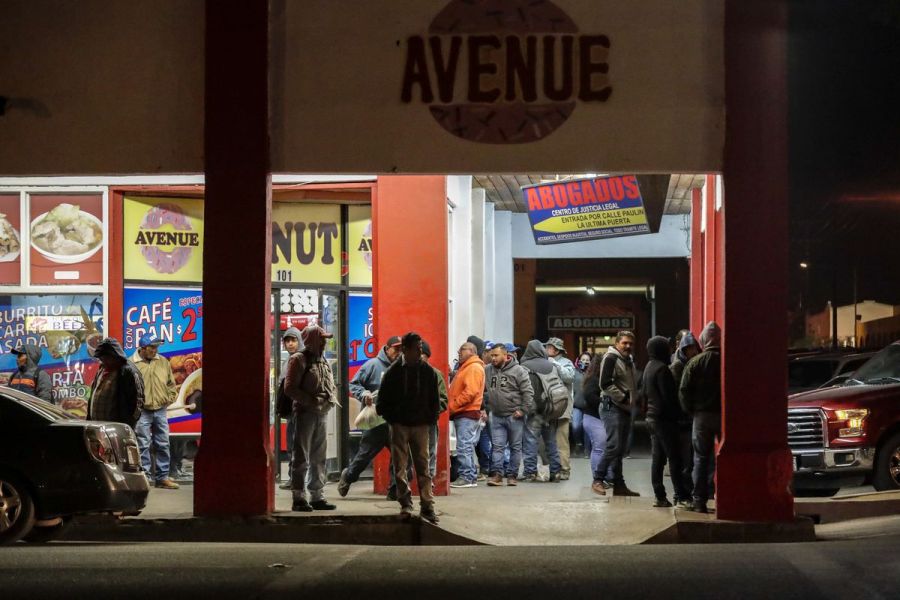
x,y
364,387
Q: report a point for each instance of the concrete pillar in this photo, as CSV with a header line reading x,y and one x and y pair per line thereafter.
x,y
233,473
504,302
409,220
459,192
488,241
754,463
476,300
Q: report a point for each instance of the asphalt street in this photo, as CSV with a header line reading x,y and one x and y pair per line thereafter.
x,y
867,568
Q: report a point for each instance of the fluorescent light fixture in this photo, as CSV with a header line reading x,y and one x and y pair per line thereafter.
x,y
597,289
590,291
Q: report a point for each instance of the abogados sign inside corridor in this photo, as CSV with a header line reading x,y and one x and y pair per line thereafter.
x,y
504,71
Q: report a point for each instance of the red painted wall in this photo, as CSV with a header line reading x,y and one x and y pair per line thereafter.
x,y
697,264
410,288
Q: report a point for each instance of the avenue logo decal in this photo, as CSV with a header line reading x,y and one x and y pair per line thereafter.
x,y
504,71
166,238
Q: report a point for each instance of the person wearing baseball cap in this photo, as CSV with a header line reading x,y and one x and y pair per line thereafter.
x,y
159,393
556,350
310,385
364,387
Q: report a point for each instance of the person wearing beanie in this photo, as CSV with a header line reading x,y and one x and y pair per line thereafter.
x,y
700,394
28,376
663,412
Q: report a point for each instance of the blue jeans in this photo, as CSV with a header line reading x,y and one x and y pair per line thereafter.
x,y
506,431
595,432
617,423
154,424
535,429
483,449
578,433
371,443
707,427
466,438
432,450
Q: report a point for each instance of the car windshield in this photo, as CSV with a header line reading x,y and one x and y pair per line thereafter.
x,y
49,411
884,366
809,373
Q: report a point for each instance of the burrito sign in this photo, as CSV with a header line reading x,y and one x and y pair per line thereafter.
x,y
585,209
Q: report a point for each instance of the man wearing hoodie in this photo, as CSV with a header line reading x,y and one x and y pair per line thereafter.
x,y
310,385
663,412
409,402
159,392
686,348
537,427
700,394
466,396
511,398
364,387
443,401
617,386
28,377
292,344
117,393
566,370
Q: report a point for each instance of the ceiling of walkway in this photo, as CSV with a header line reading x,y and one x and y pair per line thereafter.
x,y
505,191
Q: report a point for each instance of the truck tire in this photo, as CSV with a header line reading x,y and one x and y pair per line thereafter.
x,y
16,510
887,465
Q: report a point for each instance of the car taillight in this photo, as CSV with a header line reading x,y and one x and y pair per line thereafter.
x,y
99,445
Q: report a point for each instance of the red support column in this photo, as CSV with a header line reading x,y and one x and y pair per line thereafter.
x,y
410,288
754,463
697,263
711,257
233,473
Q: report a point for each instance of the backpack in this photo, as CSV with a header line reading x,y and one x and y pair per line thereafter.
x,y
284,405
553,400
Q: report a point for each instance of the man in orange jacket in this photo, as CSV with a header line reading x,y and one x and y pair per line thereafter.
x,y
466,393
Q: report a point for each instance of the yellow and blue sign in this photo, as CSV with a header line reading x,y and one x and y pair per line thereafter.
x,y
585,209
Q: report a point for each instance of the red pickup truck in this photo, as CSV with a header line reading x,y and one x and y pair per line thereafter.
x,y
849,434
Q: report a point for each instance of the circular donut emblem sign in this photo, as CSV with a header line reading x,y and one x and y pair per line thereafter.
x,y
504,71
167,238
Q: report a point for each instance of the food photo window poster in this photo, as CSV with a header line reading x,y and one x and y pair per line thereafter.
x,y
66,239
175,315
10,239
163,239
361,250
66,329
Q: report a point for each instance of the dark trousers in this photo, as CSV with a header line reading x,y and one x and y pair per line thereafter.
x,y
707,427
483,449
371,443
664,447
686,447
617,423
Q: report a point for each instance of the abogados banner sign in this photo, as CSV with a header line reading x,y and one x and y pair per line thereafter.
x,y
585,209
475,86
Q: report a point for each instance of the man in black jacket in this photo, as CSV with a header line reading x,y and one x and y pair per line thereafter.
x,y
117,393
408,400
663,412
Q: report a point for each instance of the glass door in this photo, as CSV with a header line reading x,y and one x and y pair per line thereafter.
x,y
331,320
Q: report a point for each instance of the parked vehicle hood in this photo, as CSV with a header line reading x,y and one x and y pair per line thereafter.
x,y
839,396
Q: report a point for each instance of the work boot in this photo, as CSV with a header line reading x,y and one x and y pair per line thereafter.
x,y
482,476
529,478
301,505
512,481
554,478
564,475
697,506
392,494
495,480
427,512
343,485
597,488
167,484
322,504
622,490
662,503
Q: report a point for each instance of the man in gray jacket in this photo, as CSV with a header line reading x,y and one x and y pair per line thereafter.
x,y
292,345
364,387
28,377
566,370
617,385
511,398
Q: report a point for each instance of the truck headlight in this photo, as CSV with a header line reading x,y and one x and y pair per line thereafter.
x,y
853,419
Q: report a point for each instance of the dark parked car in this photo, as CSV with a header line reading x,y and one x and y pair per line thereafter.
x,y
54,466
811,371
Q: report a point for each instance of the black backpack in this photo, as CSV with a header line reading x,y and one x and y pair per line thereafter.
x,y
552,400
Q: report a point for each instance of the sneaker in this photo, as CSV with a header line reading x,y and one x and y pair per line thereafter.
x,y
392,495
564,475
682,503
512,481
495,480
284,485
697,506
597,488
167,484
662,503
482,477
343,485
463,483
554,478
427,513
529,478
322,504
301,505
622,490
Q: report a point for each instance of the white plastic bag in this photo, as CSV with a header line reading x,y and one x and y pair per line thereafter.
x,y
368,418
